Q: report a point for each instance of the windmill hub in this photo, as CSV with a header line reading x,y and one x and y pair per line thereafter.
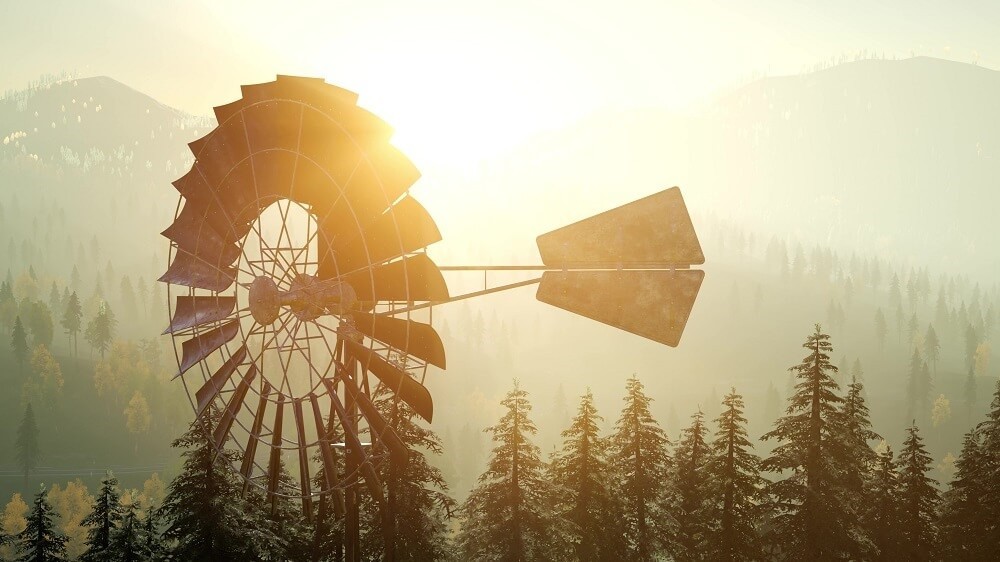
x,y
307,297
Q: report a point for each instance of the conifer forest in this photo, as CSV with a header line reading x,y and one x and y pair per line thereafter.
x,y
342,282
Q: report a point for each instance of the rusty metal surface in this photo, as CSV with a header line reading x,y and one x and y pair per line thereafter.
x,y
304,482
191,271
413,338
414,278
195,311
330,476
651,304
376,422
214,385
203,345
250,452
221,434
654,229
354,444
274,463
404,386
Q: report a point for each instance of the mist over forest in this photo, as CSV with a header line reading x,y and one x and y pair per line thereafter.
x,y
858,196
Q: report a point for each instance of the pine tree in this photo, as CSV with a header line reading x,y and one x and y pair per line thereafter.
x,y
202,512
882,511
19,342
691,479
965,518
588,501
101,329
859,460
127,541
918,387
416,494
918,499
279,518
509,514
932,346
736,487
26,445
642,466
40,541
72,319
969,395
102,520
812,517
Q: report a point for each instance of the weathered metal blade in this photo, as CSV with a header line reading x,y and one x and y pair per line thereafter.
x,y
195,235
653,230
217,153
233,408
224,112
213,386
414,278
381,428
190,271
367,470
402,229
201,346
250,453
195,311
329,463
407,388
310,91
413,338
652,304
304,483
274,464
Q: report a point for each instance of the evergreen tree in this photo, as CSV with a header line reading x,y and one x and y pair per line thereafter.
x,y
202,512
918,387
19,342
127,541
812,515
72,319
859,459
588,500
102,520
40,541
882,512
101,329
691,479
26,445
965,519
279,518
509,516
932,346
918,499
417,502
969,395
736,487
641,463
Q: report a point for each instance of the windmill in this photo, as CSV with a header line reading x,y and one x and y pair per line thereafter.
x,y
299,286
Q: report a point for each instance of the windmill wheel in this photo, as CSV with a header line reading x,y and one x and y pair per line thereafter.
x,y
294,241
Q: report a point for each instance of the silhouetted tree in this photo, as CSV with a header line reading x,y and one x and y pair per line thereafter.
x,y
72,319
19,342
811,514
918,499
918,389
965,519
859,459
102,520
101,329
932,346
588,501
40,541
735,487
127,541
691,480
642,466
26,445
509,514
971,344
881,511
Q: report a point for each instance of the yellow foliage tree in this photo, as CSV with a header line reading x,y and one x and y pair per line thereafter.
x,y
13,521
70,506
982,358
137,416
941,411
154,490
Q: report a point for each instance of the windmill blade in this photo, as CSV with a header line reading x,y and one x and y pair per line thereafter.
x,y
402,229
400,454
203,345
250,453
326,453
407,388
191,271
367,470
651,304
196,236
195,311
411,337
213,386
221,150
652,230
274,464
413,278
233,408
304,482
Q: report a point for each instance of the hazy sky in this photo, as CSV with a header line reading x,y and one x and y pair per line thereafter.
x,y
474,77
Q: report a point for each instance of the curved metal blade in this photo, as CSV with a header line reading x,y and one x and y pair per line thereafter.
x,y
190,271
401,383
274,464
213,386
250,453
367,470
304,482
233,408
201,346
414,278
198,310
413,338
326,452
397,450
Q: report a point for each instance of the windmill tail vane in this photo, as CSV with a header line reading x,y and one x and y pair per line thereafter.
x,y
300,290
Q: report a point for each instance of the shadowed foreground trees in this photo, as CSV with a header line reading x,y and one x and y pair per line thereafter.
x,y
40,541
